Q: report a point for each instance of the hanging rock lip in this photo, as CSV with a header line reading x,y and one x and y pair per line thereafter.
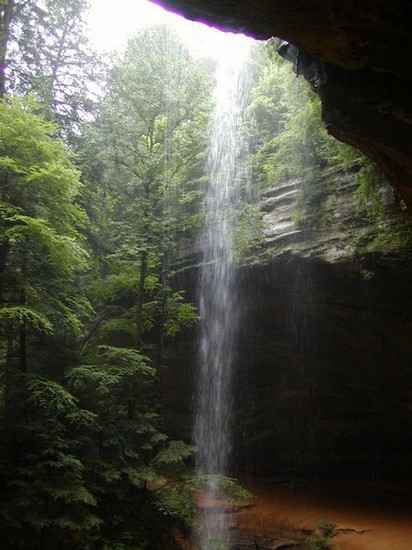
x,y
361,48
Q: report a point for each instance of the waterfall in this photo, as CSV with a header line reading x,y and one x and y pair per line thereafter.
x,y
218,306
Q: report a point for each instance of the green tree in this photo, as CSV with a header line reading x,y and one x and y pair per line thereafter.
x,y
127,457
41,314
149,141
143,156
47,54
45,500
39,224
289,136
6,8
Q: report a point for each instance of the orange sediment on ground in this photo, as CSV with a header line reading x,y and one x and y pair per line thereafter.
x,y
281,516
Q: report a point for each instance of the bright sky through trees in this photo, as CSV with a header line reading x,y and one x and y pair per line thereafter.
x,y
110,28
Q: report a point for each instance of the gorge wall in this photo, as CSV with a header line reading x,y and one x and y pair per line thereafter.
x,y
324,383
357,55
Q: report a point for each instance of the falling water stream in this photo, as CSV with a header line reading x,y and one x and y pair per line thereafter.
x,y
219,308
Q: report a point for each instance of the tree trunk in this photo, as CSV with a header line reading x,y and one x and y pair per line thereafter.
x,y
4,252
8,381
140,300
5,19
23,336
139,327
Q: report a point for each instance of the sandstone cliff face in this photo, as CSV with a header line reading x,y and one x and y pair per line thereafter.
x,y
357,56
325,231
324,378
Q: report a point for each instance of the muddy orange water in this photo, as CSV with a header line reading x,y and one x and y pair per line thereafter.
x,y
281,513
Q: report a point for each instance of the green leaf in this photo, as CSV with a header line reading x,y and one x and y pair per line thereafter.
x,y
20,316
175,452
179,314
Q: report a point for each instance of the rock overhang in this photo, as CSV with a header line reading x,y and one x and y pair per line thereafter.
x,y
365,50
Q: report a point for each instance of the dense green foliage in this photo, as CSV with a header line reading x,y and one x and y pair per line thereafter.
x,y
85,289
288,135
43,311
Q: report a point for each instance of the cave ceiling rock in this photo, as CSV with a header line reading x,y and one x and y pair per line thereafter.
x,y
364,50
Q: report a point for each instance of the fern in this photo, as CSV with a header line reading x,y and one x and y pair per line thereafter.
x,y
174,453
